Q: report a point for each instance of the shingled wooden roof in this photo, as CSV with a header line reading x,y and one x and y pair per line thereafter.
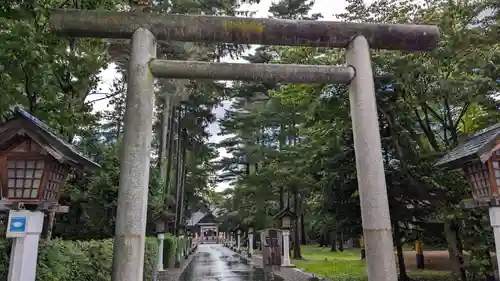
x,y
472,148
62,150
286,211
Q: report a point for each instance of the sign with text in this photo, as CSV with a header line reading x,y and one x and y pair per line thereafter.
x,y
17,226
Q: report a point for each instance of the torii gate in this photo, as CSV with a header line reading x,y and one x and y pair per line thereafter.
x,y
145,28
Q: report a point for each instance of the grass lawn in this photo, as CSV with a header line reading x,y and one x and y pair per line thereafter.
x,y
336,263
348,266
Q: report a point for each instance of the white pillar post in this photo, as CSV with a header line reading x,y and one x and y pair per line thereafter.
x,y
161,238
375,216
24,253
286,249
201,234
495,223
250,243
218,234
238,245
231,239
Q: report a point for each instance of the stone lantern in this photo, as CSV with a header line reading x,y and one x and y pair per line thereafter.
x,y
286,221
238,230
34,165
286,216
161,225
231,239
250,241
479,157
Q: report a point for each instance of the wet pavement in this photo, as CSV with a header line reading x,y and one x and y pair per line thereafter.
x,y
214,262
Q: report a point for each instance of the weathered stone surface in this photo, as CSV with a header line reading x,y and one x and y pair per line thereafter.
x,y
291,73
197,28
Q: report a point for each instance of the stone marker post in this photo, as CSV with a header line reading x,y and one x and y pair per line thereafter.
x,y
250,242
286,249
161,238
238,241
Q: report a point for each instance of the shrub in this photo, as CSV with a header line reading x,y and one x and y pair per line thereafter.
x,y
150,258
169,248
65,260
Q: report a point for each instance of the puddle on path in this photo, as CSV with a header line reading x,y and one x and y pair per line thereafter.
x,y
217,263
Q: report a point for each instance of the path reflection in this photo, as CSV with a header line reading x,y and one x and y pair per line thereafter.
x,y
217,263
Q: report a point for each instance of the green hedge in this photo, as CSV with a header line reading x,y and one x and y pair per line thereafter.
x,y
169,247
65,260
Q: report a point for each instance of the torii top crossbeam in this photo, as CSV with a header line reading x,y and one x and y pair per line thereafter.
x,y
198,28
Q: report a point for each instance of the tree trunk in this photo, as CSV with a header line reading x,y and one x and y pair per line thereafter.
x,y
322,240
334,242
303,238
451,232
165,149
281,146
296,245
164,132
178,171
340,236
170,163
403,276
183,171
48,226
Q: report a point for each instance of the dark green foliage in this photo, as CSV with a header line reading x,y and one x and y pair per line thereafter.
x,y
93,200
62,260
169,249
150,258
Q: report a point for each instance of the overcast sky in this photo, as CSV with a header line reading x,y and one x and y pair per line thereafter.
x,y
326,7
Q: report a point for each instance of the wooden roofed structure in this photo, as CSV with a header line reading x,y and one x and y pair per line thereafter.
x,y
479,157
34,162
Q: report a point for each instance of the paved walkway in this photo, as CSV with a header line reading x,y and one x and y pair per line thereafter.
x,y
214,262
284,273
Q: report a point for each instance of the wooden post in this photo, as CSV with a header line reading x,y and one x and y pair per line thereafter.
x,y
419,253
